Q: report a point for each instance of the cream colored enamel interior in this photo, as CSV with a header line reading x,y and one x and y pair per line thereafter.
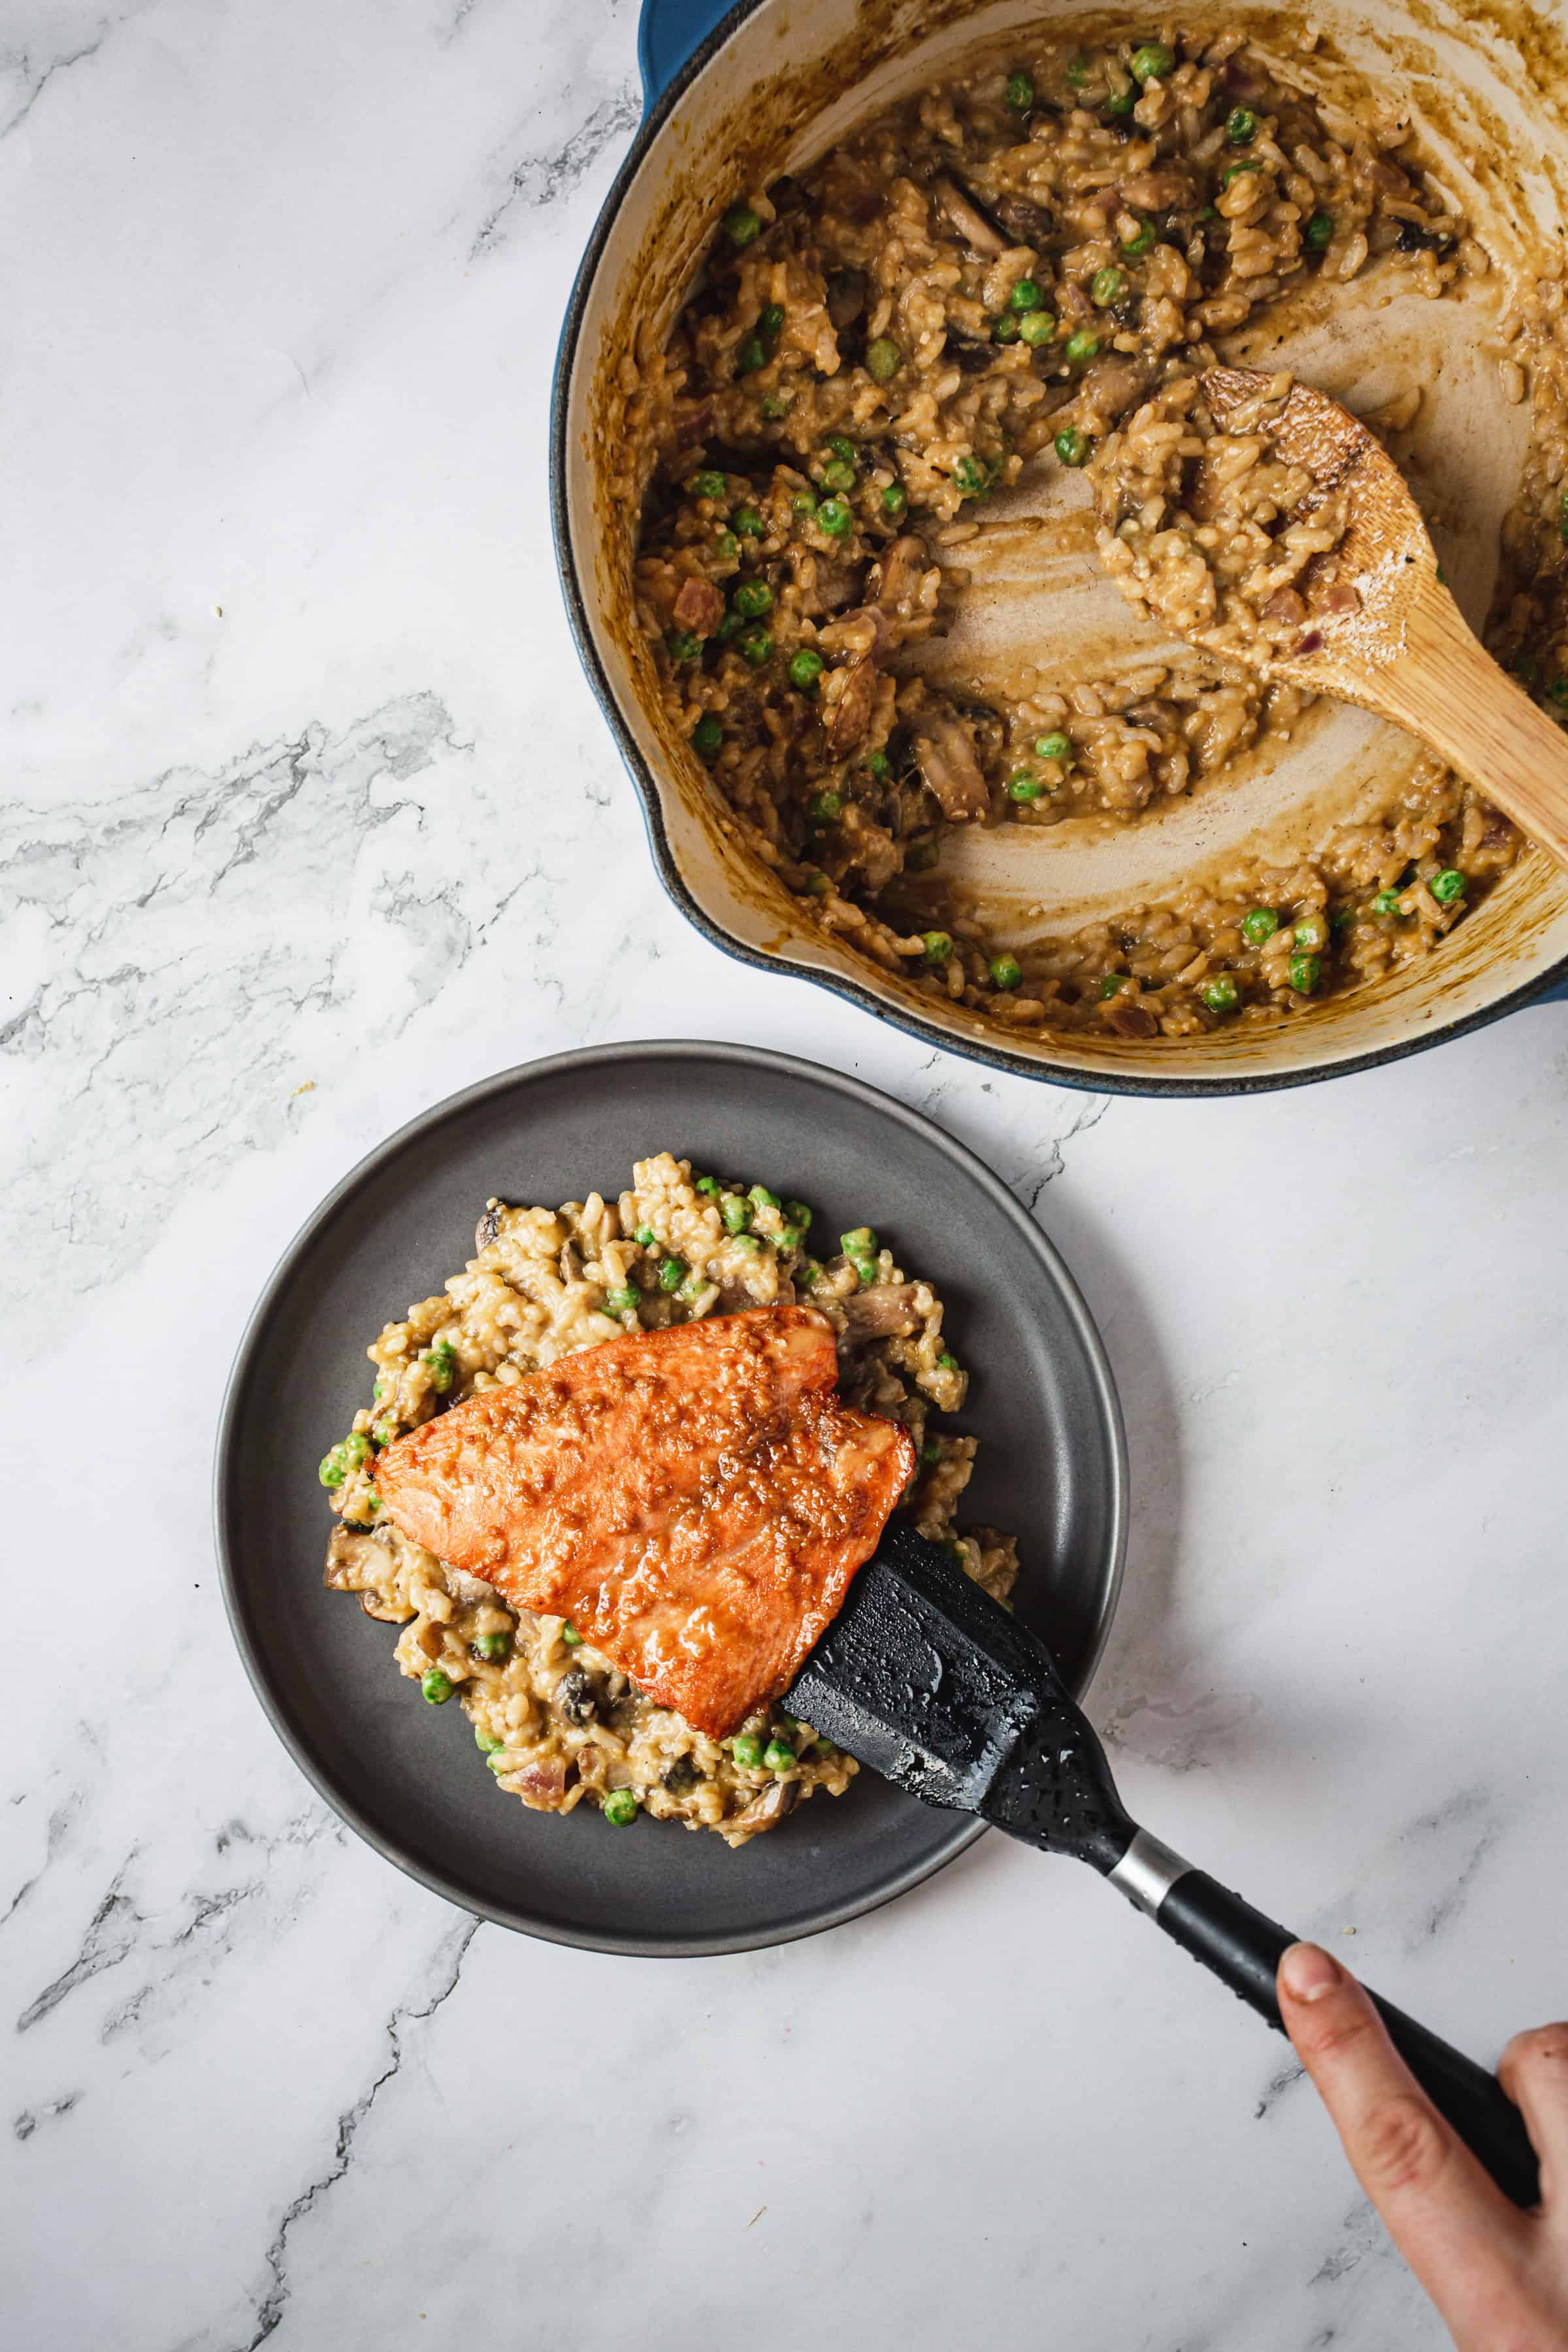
x,y
1498,126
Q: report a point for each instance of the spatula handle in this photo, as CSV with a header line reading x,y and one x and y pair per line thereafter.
x,y
1243,1948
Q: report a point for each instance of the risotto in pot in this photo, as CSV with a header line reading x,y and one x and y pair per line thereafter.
x,y
1024,269
557,1724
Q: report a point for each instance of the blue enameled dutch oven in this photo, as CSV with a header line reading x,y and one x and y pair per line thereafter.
x,y
733,98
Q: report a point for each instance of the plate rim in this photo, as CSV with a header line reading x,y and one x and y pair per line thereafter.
x,y
964,1832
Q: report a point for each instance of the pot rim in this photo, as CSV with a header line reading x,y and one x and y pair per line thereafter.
x,y
915,1024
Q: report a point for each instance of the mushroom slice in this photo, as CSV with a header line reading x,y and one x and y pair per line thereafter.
x,y
886,1311
770,1807
969,217
904,567
852,711
945,751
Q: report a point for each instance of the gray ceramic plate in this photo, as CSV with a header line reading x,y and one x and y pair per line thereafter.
x,y
408,1777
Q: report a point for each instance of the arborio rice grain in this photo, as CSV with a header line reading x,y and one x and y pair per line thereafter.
x,y
558,1724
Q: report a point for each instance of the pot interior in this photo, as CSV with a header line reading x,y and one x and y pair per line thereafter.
x,y
1490,95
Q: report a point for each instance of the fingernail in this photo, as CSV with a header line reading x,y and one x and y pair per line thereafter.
x,y
1307,1973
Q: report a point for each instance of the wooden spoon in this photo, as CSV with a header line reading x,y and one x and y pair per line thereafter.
x,y
1404,652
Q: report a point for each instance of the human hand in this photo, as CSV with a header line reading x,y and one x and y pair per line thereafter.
x,y
1498,2276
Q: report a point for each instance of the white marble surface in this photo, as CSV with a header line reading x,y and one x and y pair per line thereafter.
x,y
309,819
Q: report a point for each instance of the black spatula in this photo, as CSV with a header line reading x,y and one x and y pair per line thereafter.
x,y
927,1680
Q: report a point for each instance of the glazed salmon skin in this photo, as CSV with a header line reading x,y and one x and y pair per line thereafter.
x,y
696,1500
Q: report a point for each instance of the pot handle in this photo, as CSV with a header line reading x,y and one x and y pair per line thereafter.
x,y
669,32
1556,995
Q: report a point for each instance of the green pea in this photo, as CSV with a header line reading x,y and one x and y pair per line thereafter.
x,y
1022,787
798,1214
1387,903
378,1391
774,407
770,319
804,503
752,355
1038,327
883,359
333,1470
1221,994
385,1433
839,474
436,1686
1241,126
672,1272
779,1756
569,1636
727,547
493,1646
1208,214
827,808
790,1237
946,1363
1078,71
747,1751
1318,231
973,476
1025,296
816,885
729,626
761,1198
1447,886
749,1243
692,1288
496,1759
1341,918
709,1184
877,764
710,484
1120,104
1260,923
1019,92
1005,971
895,500
736,1213
356,1446
1053,746
1141,241
1082,345
1234,171
488,1741
1558,690
1006,329
684,645
1071,445
866,1270
620,1808
443,1365
805,668
707,735
1306,970
747,521
646,1238
839,445
755,645
1107,286
808,1272
1311,932
835,518
623,1301
1113,983
742,224
861,1243
753,598
938,947
931,1450
1152,62
372,1500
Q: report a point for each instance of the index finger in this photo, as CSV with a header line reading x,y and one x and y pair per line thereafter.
x,y
1458,2233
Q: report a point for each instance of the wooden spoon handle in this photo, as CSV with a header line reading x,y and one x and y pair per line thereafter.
x,y
1445,688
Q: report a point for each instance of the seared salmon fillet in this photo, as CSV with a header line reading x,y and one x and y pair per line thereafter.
x,y
696,1500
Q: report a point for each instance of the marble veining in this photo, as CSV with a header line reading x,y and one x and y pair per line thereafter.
x,y
309,820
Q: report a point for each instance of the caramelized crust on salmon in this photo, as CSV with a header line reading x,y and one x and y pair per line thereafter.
x,y
696,1500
